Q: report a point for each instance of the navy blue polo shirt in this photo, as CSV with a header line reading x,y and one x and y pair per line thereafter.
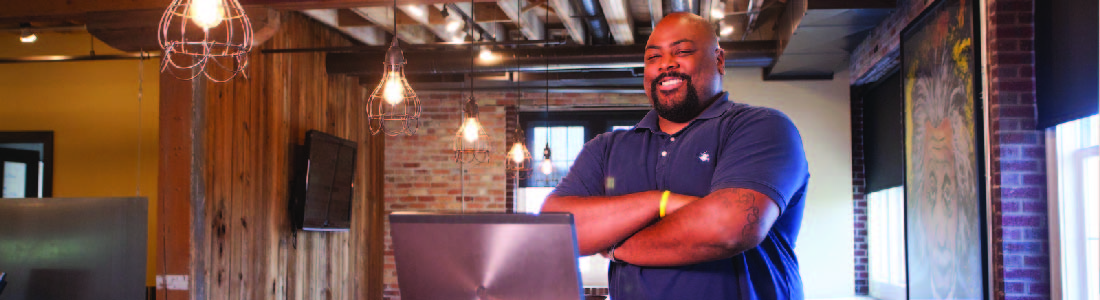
x,y
730,145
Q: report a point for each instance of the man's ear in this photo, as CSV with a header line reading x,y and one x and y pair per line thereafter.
x,y
720,55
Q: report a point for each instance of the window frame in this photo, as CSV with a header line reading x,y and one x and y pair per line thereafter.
x,y
888,290
594,122
1056,206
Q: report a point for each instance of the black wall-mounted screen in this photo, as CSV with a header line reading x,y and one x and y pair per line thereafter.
x,y
324,183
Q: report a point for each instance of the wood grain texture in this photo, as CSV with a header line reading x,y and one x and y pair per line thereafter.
x,y
253,124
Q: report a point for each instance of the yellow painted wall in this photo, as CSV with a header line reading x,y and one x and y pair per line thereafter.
x,y
93,109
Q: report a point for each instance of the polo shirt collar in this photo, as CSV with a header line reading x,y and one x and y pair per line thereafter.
x,y
716,109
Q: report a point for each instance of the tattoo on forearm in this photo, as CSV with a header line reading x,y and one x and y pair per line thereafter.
x,y
744,201
752,216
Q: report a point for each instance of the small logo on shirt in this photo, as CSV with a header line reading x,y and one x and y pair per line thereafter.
x,y
704,157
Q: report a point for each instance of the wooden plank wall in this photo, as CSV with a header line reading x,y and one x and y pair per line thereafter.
x,y
250,249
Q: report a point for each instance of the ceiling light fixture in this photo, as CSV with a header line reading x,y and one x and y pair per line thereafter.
x,y
486,55
518,160
393,107
471,143
719,11
27,36
726,29
208,37
453,22
415,10
547,166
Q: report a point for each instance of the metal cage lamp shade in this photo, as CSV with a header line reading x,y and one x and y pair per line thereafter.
x,y
208,37
518,158
393,107
471,143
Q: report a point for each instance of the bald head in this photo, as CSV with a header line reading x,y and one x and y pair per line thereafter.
x,y
683,67
685,24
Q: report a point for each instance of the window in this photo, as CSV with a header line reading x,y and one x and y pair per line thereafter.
x,y
1075,219
886,243
566,133
565,143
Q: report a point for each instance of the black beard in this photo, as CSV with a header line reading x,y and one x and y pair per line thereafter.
x,y
683,112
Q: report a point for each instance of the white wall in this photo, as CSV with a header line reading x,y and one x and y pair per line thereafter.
x,y
820,109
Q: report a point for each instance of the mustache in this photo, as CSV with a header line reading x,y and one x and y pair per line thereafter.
x,y
666,75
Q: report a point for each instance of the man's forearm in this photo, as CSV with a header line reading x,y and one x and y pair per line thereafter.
x,y
718,226
603,222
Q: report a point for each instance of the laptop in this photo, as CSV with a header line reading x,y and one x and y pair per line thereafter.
x,y
486,256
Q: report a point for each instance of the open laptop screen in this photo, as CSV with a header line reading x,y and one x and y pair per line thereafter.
x,y
486,256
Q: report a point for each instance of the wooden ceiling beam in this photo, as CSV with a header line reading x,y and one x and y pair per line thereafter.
x,y
384,16
565,13
656,11
424,14
52,9
136,30
369,35
348,18
488,16
529,23
619,21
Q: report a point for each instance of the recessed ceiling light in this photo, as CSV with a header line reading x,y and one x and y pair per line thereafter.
x,y
27,36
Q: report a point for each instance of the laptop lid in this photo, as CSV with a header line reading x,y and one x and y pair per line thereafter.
x,y
486,256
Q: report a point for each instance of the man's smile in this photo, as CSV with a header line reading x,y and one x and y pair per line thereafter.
x,y
669,84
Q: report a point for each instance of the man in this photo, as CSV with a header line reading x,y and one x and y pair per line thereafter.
x,y
729,179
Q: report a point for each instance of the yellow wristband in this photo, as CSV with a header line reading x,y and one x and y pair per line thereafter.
x,y
664,202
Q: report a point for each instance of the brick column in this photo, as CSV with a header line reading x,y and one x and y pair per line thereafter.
x,y
1021,260
859,197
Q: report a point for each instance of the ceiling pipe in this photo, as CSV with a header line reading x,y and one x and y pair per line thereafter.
x,y
738,54
691,6
593,16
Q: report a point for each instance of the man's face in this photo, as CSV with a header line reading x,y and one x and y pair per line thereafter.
x,y
682,67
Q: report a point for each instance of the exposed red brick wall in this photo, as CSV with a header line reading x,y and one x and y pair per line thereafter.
x,y
859,199
421,173
1020,252
1021,262
878,54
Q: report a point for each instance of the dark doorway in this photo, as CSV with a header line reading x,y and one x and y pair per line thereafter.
x,y
26,164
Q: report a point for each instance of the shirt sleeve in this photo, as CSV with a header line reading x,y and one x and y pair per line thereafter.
x,y
585,177
763,154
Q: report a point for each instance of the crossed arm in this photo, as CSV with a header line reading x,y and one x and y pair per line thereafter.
x,y
719,225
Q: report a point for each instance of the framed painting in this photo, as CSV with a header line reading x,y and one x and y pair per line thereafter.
x,y
944,159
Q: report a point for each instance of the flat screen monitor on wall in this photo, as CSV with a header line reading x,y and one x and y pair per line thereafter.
x,y
323,188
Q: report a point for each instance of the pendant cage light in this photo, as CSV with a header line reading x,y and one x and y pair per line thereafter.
x,y
546,167
471,143
517,161
393,108
211,38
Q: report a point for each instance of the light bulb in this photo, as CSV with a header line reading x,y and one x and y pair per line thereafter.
x,y
28,37
453,23
547,166
486,55
393,92
207,13
717,13
470,130
517,153
727,30
414,10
